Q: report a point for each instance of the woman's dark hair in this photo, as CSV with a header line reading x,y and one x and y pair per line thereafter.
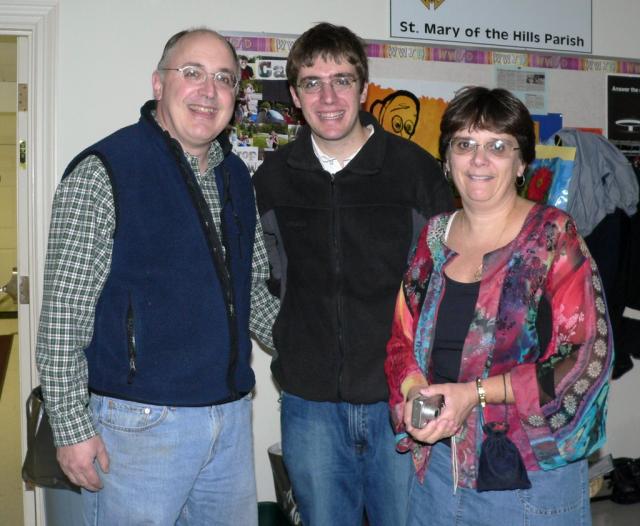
x,y
327,41
497,110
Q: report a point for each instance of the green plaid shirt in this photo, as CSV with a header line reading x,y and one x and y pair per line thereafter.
x,y
77,265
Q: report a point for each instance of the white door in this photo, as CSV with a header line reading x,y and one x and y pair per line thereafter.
x,y
24,222
34,24
16,502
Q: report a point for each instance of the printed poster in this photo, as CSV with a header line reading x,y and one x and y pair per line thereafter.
x,y
623,109
411,109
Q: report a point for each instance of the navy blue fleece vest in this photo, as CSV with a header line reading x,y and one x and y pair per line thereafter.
x,y
171,323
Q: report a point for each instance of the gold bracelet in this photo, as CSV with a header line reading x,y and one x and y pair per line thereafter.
x,y
482,394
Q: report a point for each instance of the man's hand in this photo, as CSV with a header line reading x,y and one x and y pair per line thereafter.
x,y
77,462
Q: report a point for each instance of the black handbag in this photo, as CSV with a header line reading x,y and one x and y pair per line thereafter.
x,y
500,466
625,480
40,466
284,491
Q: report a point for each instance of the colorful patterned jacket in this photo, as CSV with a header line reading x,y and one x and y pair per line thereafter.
x,y
560,390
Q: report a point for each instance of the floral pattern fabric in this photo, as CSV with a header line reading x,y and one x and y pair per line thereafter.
x,y
550,426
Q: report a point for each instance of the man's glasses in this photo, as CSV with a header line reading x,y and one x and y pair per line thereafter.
x,y
338,83
497,148
198,75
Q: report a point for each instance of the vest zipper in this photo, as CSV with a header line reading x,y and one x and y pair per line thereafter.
x,y
227,201
221,258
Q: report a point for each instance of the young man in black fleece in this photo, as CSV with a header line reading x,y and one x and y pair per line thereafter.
x,y
340,208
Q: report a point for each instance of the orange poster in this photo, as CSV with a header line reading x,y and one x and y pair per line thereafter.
x,y
405,111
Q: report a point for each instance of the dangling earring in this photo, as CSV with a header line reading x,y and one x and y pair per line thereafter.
x,y
447,173
520,180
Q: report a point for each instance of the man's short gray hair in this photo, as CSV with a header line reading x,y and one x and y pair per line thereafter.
x,y
171,43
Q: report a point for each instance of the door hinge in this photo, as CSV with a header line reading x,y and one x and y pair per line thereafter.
x,y
24,290
22,152
23,97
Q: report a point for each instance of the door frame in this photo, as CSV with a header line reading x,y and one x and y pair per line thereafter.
x,y
37,20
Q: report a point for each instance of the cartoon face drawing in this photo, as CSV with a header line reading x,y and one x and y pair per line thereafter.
x,y
398,113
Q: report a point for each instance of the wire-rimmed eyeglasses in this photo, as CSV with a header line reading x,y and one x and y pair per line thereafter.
x,y
199,75
337,82
498,148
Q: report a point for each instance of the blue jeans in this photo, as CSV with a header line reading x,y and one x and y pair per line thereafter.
x,y
341,460
559,497
174,465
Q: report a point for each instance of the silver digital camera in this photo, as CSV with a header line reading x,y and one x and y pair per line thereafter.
x,y
425,408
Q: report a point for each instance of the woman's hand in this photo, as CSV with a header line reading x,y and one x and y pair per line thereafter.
x,y
459,401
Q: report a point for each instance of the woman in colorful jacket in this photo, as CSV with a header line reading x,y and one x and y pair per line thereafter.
x,y
501,312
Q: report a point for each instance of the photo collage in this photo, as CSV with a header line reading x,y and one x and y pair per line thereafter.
x,y
265,116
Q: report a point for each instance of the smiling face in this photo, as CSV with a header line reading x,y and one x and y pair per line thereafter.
x,y
332,115
482,179
195,114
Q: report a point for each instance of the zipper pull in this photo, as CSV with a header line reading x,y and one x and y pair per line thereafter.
x,y
132,370
131,344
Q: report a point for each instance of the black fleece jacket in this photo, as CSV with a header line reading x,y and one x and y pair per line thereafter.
x,y
338,246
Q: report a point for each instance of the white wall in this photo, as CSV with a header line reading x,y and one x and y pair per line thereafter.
x,y
108,49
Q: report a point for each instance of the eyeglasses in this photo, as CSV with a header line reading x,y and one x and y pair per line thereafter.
x,y
338,83
198,75
497,148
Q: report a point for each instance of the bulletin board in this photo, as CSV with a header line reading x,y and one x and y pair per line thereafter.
x,y
422,79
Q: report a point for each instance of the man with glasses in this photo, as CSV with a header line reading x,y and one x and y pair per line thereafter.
x,y
152,284
340,208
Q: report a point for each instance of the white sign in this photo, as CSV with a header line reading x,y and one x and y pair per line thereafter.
x,y
528,24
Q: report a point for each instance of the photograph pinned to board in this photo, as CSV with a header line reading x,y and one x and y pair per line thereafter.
x,y
529,85
265,117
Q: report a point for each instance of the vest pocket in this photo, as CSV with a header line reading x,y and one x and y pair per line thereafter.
x,y
131,343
